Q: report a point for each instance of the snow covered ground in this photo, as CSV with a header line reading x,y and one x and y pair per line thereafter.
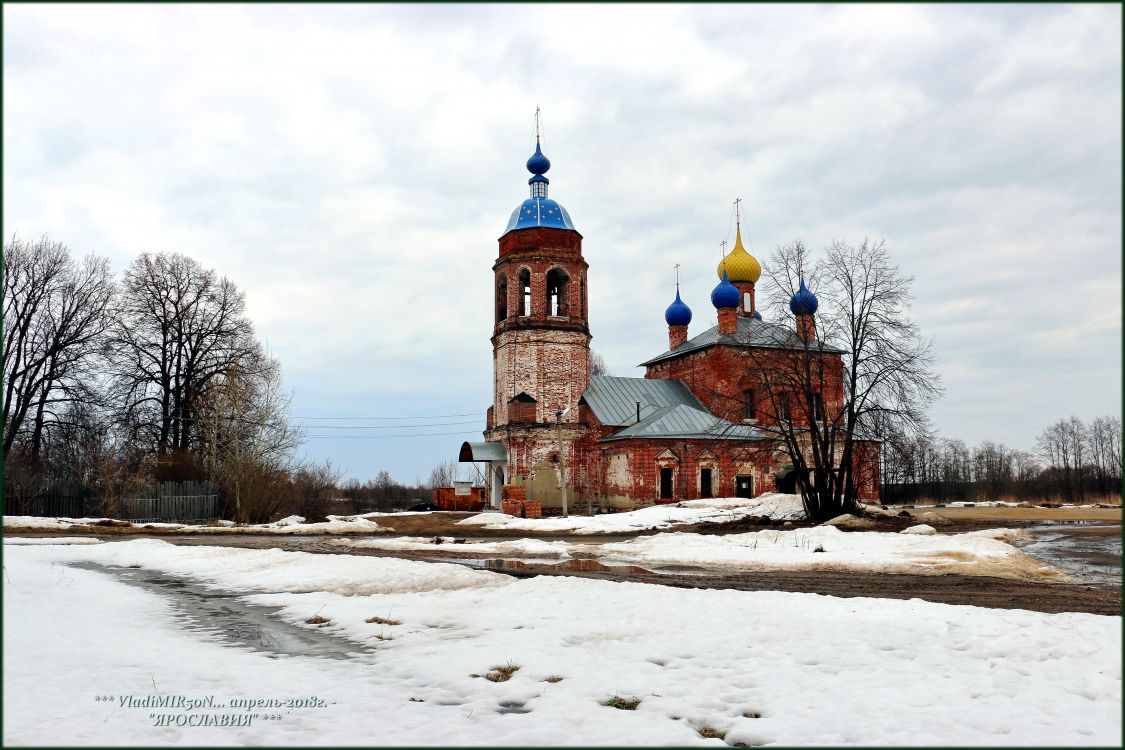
x,y
773,505
754,667
359,524
912,551
827,548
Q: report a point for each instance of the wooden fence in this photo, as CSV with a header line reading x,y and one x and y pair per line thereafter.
x,y
182,502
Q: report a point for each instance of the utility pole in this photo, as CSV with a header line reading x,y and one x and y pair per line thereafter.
x,y
562,459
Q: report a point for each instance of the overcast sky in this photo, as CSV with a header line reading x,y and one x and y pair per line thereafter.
x,y
351,168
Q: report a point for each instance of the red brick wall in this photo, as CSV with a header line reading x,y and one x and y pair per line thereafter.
x,y
677,335
629,470
521,412
448,500
720,375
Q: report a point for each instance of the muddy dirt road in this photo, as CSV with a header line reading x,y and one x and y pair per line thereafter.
x,y
980,591
1074,547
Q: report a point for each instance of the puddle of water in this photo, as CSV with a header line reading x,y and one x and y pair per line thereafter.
x,y
1066,522
236,622
1091,552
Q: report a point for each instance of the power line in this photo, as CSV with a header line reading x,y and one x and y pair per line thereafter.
x,y
432,416
391,437
385,426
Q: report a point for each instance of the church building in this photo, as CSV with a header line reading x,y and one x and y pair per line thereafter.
x,y
695,426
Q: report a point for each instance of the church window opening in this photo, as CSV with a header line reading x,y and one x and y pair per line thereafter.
x,y
783,406
748,404
665,484
502,299
525,293
556,292
744,486
818,406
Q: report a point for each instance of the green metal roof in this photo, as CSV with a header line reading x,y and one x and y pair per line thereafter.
x,y
614,400
750,332
683,421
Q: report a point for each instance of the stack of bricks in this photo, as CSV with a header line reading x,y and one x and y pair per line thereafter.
x,y
514,502
512,499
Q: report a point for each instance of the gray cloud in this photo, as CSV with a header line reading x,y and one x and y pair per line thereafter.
x,y
351,167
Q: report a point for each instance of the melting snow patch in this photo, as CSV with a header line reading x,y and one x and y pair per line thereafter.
x,y
763,666
774,506
921,528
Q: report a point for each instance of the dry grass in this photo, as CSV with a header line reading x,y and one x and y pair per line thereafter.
x,y
752,715
1042,502
553,678
135,565
318,620
382,621
711,733
622,703
384,637
502,674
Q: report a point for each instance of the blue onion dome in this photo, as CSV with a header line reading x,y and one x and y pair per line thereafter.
x,y
538,163
803,302
725,295
539,212
757,315
678,314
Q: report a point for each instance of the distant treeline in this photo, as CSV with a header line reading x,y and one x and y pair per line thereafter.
x,y
1072,462
382,494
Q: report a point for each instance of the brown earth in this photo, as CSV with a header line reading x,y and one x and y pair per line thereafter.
x,y
952,589
981,591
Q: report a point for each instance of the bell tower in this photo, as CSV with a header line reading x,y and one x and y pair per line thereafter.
x,y
540,342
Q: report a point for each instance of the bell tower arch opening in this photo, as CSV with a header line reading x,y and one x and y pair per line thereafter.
x,y
525,293
502,298
558,282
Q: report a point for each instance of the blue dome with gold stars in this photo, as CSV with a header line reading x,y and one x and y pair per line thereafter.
x,y
803,302
677,314
725,295
539,210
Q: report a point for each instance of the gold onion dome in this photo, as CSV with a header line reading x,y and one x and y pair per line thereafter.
x,y
739,264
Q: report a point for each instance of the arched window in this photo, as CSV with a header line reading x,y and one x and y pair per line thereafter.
x,y
525,293
502,299
749,404
557,280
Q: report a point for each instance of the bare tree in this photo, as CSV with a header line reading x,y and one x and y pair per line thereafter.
x,y
181,326
56,314
1063,446
1104,449
314,489
444,473
244,436
598,365
865,346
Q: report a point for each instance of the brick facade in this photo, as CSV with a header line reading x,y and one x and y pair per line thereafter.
x,y
541,350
